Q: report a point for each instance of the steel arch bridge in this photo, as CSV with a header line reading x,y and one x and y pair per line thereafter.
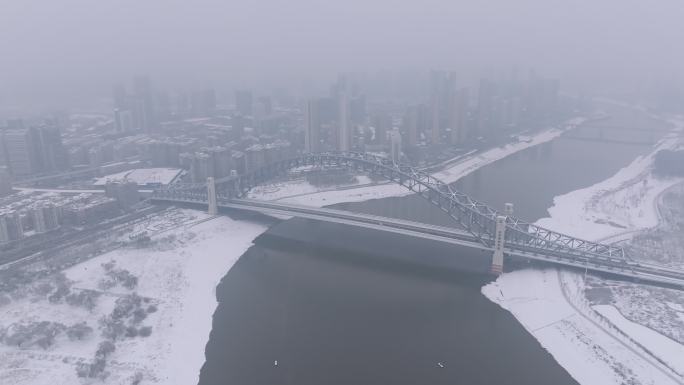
x,y
475,217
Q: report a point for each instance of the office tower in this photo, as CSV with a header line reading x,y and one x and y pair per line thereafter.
x,y
414,123
21,149
5,181
458,116
264,106
182,104
141,105
199,165
123,120
395,149
344,134
382,123
244,102
357,109
485,108
442,90
164,110
221,159
44,218
144,102
340,92
120,97
54,155
436,81
312,126
11,227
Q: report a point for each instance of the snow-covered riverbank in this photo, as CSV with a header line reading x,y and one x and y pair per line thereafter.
x,y
177,274
552,307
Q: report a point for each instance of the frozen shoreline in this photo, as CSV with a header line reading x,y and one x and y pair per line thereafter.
x,y
616,207
178,272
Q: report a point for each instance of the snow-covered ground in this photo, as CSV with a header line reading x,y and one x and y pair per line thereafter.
x,y
597,345
142,176
584,348
621,204
661,346
177,273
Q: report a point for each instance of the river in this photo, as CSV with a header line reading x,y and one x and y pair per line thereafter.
x,y
339,305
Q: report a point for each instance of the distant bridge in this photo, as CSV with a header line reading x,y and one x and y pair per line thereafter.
x,y
608,140
628,128
480,226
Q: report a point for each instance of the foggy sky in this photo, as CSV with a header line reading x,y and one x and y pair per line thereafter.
x,y
52,48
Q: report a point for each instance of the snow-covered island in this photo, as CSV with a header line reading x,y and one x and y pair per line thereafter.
x,y
142,312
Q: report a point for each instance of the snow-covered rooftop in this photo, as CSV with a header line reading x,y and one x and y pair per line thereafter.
x,y
142,176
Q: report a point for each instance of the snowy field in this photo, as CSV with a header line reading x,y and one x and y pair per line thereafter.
x,y
173,299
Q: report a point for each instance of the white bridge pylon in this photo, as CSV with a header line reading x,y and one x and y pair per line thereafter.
x,y
212,200
499,240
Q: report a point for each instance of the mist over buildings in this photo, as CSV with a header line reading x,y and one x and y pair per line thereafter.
x,y
61,53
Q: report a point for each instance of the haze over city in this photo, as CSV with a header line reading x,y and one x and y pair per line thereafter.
x,y
76,48
341,192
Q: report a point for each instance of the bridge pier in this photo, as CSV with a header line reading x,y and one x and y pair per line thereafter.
x,y
212,208
499,240
499,236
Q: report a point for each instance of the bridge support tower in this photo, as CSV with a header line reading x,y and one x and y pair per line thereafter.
x,y
211,197
499,240
499,236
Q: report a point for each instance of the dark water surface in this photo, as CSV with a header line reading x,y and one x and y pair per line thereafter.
x,y
340,305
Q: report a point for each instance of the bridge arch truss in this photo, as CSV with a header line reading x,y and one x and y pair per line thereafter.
x,y
475,217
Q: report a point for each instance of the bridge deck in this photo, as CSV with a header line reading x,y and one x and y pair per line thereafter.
x,y
610,265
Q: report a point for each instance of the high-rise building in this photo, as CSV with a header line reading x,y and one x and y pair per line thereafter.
x,y
458,116
382,123
485,108
123,120
244,102
312,126
45,218
221,159
395,143
144,97
21,147
344,131
11,227
264,107
54,155
5,181
357,109
442,90
136,111
414,123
